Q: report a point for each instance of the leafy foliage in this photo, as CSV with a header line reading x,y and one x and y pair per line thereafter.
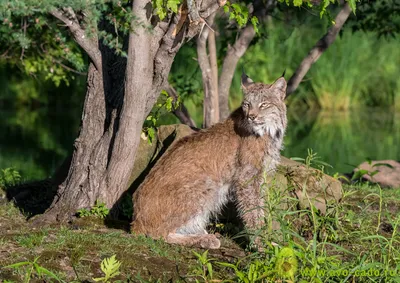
x,y
110,267
98,210
320,5
31,268
9,177
33,40
165,104
204,268
163,7
381,16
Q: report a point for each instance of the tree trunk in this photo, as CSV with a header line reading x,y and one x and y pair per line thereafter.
x,y
210,110
120,94
320,47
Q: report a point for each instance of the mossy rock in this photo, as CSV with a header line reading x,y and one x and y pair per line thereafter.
x,y
309,185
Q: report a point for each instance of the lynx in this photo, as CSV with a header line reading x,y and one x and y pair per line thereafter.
x,y
192,181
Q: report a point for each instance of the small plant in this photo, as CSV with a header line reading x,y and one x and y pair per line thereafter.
x,y
204,269
9,177
31,268
286,263
98,210
165,104
110,267
358,175
312,160
31,240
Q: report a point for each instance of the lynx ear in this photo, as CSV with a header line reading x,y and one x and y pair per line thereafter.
x,y
280,86
246,81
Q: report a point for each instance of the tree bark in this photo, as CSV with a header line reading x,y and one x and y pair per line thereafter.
x,y
320,47
210,110
212,50
236,52
231,59
120,94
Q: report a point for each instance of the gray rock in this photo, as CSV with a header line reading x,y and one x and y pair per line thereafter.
x,y
384,172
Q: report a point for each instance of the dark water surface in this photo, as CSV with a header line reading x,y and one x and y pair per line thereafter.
x,y
35,141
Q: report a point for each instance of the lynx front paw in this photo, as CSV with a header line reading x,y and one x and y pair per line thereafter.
x,y
210,242
205,241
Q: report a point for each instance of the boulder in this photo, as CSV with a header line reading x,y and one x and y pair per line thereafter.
x,y
384,172
308,185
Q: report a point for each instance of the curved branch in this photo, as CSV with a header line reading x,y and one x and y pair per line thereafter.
x,y
236,52
170,43
231,59
68,17
181,112
319,48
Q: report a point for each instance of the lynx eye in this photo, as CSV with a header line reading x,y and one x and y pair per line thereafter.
x,y
264,105
245,105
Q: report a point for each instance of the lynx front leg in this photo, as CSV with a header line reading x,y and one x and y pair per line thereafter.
x,y
250,202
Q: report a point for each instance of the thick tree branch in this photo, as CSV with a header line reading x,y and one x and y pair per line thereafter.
x,y
181,112
68,17
212,50
231,59
171,42
209,109
318,49
234,54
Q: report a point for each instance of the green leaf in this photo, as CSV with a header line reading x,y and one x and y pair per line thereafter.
x,y
151,133
18,264
352,4
254,22
110,267
173,5
297,3
168,104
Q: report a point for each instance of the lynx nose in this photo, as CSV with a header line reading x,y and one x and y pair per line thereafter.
x,y
252,117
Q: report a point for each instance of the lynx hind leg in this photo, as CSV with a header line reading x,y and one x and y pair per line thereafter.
x,y
205,241
194,234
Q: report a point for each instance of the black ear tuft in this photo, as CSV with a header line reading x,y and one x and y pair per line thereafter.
x,y
283,75
246,81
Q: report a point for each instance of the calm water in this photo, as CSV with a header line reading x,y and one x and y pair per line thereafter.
x,y
35,142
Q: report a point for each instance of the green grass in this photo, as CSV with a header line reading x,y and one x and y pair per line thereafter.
x,y
358,235
358,239
32,239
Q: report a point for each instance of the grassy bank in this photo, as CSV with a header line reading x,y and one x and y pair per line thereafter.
x,y
357,240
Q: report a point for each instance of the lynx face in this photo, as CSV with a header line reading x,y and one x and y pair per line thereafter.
x,y
264,107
